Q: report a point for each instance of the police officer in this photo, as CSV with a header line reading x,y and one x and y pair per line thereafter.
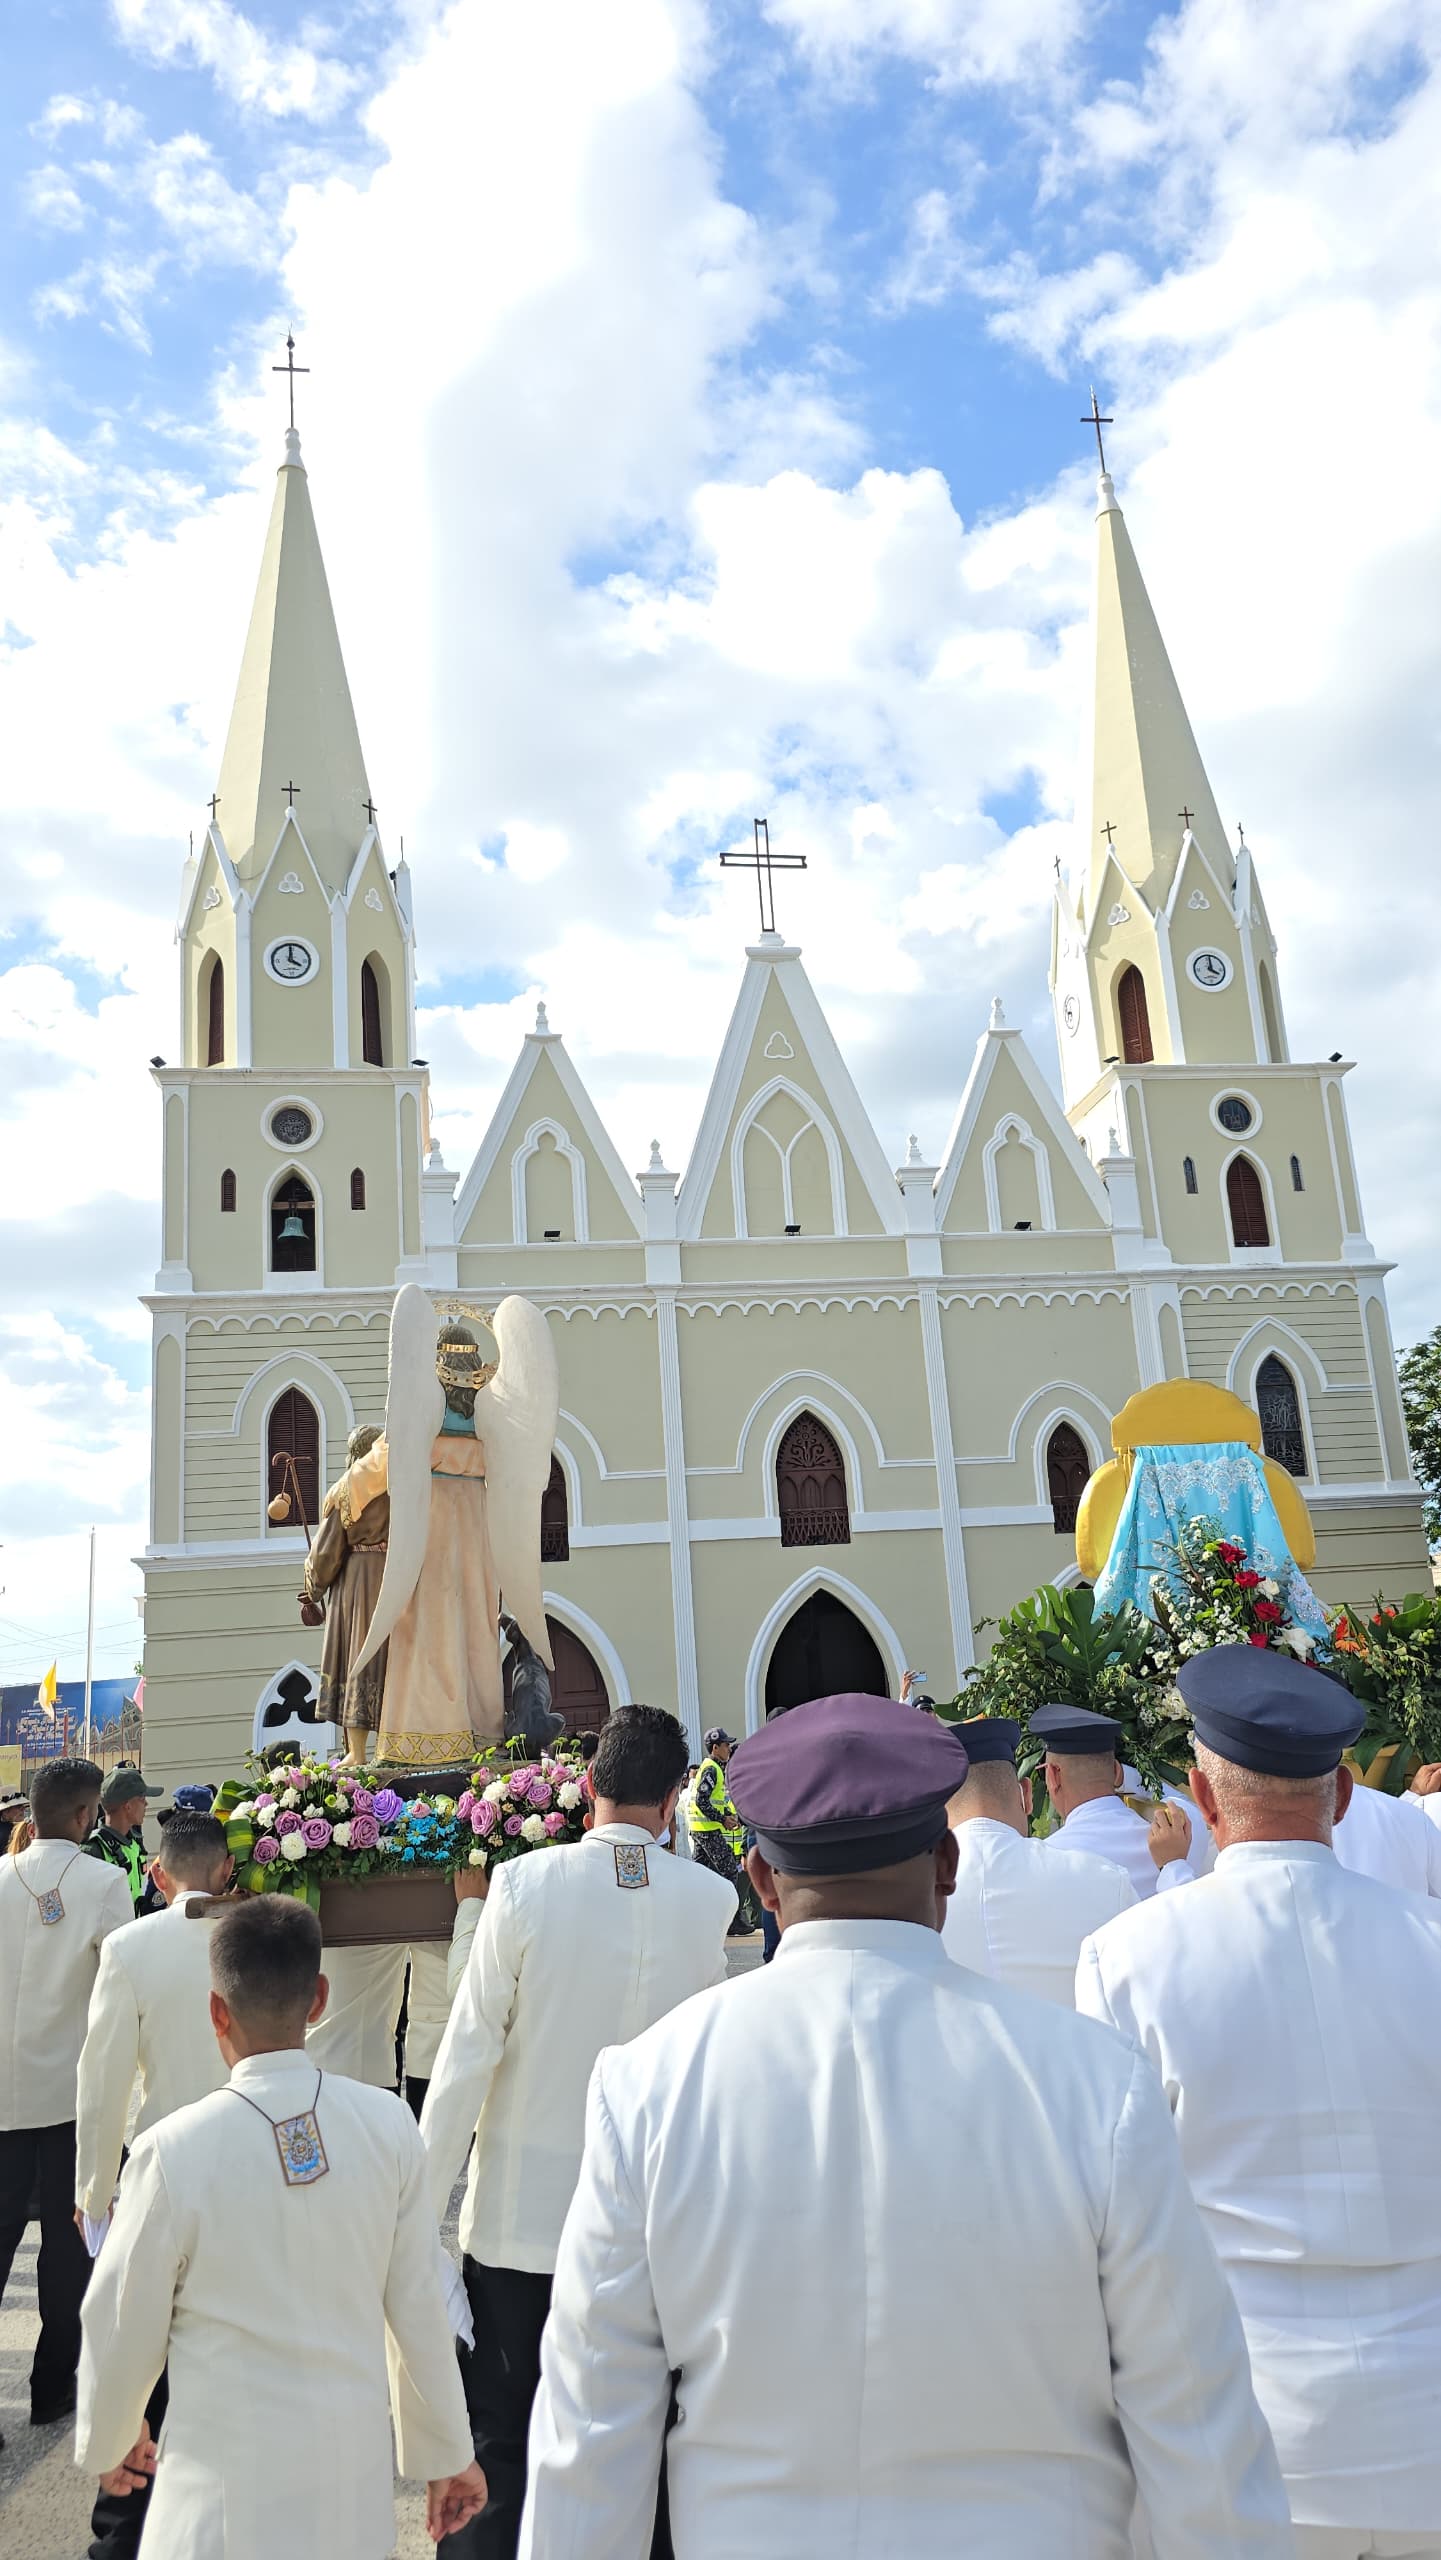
x,y
717,1834
119,1835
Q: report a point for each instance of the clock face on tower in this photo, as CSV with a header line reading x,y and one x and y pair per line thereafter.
x,y
1210,969
1071,1013
292,961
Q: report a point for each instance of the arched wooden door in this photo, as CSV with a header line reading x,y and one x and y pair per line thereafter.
x,y
578,1690
822,1652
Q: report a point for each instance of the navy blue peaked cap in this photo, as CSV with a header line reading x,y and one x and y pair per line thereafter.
x,y
1074,1732
1268,1712
845,1784
989,1738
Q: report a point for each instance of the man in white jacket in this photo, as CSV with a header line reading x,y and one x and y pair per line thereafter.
x,y
57,1908
1020,1910
149,2022
1287,2008
920,2246
275,2243
576,1948
1158,1848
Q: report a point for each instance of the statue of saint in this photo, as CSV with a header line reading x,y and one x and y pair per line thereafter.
x,y
343,1574
465,1459
530,1718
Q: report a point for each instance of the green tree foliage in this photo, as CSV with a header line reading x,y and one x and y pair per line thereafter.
x,y
1419,1370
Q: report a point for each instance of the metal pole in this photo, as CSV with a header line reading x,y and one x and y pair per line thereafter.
x,y
89,1644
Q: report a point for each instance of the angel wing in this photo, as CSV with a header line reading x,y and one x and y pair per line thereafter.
x,y
515,1417
414,1407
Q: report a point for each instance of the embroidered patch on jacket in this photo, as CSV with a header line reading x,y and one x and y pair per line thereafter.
x,y
302,2153
631,1871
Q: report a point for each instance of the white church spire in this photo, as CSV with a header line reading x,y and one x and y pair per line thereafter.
x,y
292,740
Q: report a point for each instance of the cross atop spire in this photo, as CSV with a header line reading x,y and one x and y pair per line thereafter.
x,y
763,862
1092,418
291,368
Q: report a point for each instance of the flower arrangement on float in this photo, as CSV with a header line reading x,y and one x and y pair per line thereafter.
x,y
308,1823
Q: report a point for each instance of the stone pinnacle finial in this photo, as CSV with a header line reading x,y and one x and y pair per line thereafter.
x,y
913,1150
1113,1142
542,1018
656,1162
998,1014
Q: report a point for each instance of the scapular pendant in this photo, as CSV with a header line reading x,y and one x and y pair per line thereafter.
x,y
50,1906
302,2153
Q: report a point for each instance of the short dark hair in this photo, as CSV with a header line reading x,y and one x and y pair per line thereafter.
x,y
265,1958
60,1788
589,1745
641,1755
193,1845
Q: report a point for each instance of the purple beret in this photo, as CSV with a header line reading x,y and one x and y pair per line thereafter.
x,y
846,1784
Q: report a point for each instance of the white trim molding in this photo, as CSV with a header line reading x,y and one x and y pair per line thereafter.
x,y
1013,1126
815,1118
564,1146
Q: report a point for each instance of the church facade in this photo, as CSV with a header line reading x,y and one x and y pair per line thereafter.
x,y
820,1414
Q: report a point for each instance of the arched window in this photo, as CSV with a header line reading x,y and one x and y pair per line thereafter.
x,y
1247,1203
1068,1465
1134,1016
215,1013
554,1518
357,1189
811,1486
1296,1182
372,1031
1188,1169
227,1189
294,1432
292,1226
1279,1406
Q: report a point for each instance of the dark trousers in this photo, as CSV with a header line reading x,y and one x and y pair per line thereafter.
x,y
502,2374
116,2524
414,2093
39,2161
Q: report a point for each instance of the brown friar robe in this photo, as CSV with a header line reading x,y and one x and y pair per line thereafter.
x,y
344,1568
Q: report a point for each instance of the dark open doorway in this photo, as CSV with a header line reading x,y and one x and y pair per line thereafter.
x,y
821,1652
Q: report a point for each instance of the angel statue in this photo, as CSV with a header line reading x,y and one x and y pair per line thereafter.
x,y
465,1458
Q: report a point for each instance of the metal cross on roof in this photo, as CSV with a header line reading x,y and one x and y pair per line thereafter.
x,y
369,808
291,368
763,862
214,805
1185,816
1092,418
290,789
1109,832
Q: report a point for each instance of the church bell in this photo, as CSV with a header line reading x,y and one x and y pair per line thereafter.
x,y
293,1231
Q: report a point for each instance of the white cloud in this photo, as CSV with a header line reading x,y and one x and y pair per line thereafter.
x,y
962,42
276,79
51,199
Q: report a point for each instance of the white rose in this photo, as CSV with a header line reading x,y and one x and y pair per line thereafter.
x,y
568,1797
293,1845
497,1788
477,1858
242,1812
290,1796
341,1835
266,1817
532,1828
1272,1590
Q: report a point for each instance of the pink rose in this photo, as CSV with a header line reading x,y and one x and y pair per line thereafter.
x,y
316,1832
285,1822
483,1819
555,1824
465,1805
362,1799
513,1826
295,1777
520,1786
364,1831
540,1793
260,1800
418,1805
266,1848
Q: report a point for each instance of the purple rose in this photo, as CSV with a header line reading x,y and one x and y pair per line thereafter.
x,y
288,1821
483,1819
295,1777
540,1794
555,1824
266,1848
364,1831
520,1784
387,1806
465,1805
362,1799
316,1832
260,1800
512,1826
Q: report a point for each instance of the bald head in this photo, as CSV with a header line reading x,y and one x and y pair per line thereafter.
x,y
1077,1777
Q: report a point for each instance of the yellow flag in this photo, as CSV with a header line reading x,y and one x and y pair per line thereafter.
x,y
48,1692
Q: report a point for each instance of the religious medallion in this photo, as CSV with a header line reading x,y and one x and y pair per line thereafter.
x,y
631,1871
50,1906
302,2153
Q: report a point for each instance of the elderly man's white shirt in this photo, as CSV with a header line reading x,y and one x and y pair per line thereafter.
x,y
819,2191
1020,1912
48,1973
1285,2006
279,2309
149,2020
565,1958
1107,1828
1389,1837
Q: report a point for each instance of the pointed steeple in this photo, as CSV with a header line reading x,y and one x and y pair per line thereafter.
x,y
1147,771
293,723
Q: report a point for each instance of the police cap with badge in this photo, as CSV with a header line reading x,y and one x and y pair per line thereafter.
x,y
846,1784
1266,1711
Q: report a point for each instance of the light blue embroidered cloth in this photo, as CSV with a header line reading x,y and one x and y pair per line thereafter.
x,y
1171,1487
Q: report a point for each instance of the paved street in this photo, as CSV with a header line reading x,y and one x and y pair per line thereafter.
x,y
44,2503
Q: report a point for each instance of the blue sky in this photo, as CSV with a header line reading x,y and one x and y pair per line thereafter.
x,y
695,427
